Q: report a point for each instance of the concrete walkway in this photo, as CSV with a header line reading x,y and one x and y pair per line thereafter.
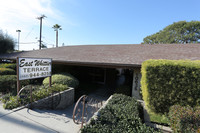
x,y
37,121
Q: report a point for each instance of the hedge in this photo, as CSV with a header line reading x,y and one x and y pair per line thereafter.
x,y
9,83
120,115
8,65
184,119
168,82
7,71
64,79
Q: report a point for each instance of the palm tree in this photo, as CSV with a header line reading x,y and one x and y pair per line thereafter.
x,y
57,27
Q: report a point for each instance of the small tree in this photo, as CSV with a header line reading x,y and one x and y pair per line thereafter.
x,y
179,32
43,45
6,43
57,27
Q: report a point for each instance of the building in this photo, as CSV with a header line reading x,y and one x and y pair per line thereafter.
x,y
100,58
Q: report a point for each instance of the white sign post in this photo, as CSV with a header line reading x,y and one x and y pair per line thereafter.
x,y
31,68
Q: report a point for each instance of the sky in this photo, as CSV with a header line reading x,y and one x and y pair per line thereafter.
x,y
91,22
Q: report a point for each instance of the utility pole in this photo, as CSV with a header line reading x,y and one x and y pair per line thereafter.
x,y
40,18
18,36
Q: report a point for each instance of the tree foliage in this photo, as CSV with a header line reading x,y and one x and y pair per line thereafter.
x,y
181,32
57,27
43,45
6,43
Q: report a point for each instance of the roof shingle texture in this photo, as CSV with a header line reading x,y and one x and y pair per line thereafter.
x,y
124,55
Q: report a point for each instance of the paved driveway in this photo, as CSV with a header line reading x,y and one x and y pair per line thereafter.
x,y
37,121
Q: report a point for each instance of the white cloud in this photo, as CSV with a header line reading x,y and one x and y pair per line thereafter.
x,y
21,14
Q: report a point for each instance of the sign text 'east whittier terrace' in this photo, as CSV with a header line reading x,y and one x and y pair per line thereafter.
x,y
30,68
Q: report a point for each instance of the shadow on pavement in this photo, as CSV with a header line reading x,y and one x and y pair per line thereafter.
x,y
15,122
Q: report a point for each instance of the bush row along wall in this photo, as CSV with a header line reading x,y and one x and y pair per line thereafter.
x,y
59,100
7,71
168,82
120,115
9,82
7,76
8,65
38,92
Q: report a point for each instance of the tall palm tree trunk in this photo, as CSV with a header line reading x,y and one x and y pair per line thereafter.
x,y
57,38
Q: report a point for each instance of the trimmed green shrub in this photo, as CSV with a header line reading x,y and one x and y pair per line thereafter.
x,y
184,119
9,83
57,88
64,79
11,103
120,115
7,71
168,82
6,97
8,65
39,92
124,89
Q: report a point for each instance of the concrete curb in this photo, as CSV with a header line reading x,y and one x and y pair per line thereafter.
x,y
164,129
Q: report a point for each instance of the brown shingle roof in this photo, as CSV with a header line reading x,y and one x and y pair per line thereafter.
x,y
129,55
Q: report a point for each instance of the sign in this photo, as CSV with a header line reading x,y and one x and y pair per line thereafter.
x,y
30,68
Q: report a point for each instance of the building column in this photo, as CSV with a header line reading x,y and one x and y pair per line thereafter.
x,y
136,83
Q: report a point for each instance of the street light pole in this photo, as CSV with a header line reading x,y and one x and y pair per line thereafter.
x,y
18,36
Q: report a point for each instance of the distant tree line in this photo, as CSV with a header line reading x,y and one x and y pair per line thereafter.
x,y
6,43
181,32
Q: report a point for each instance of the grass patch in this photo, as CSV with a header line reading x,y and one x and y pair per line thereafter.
x,y
159,119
